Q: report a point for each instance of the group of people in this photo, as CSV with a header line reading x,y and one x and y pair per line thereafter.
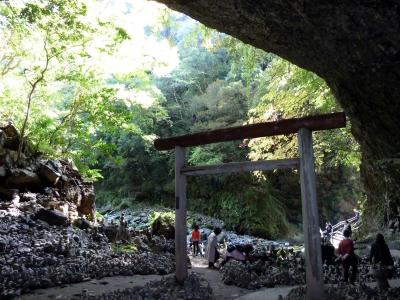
x,y
240,253
379,257
211,252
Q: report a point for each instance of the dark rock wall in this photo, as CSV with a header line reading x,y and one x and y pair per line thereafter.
x,y
34,184
353,45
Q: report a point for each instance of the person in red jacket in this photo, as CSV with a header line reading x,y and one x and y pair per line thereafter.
x,y
196,239
348,257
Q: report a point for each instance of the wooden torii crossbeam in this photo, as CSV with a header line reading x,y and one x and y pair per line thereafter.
x,y
303,127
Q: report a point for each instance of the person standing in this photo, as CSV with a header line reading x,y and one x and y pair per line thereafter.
x,y
328,229
348,257
328,251
347,227
382,260
196,239
212,253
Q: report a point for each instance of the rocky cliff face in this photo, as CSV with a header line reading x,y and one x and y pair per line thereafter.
x,y
353,45
52,189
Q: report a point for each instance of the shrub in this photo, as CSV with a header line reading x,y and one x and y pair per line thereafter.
x,y
163,223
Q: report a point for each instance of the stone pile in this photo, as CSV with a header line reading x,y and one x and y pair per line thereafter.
x,y
34,254
344,291
206,221
194,288
140,219
262,273
39,200
33,183
259,273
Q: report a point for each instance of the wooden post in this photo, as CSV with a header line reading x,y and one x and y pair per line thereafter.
x,y
181,271
312,237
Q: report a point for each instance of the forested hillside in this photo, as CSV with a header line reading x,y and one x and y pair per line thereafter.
x,y
97,82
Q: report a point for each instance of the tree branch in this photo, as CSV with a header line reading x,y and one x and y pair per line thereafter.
x,y
34,85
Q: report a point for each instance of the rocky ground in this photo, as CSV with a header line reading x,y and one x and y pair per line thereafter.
x,y
265,270
34,254
348,292
48,230
140,219
194,288
49,236
254,275
258,274
30,182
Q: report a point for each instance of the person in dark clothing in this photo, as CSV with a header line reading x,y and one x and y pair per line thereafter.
x,y
328,228
328,251
383,262
347,228
348,257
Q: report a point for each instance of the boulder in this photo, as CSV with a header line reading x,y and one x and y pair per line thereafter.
x,y
6,158
110,231
48,172
163,224
87,204
9,130
140,244
23,178
82,223
52,217
8,194
11,143
25,197
71,192
9,137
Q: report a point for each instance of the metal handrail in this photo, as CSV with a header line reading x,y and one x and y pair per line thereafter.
x,y
338,228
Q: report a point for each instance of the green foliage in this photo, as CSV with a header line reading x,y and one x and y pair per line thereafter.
x,y
99,216
163,223
165,217
246,205
124,248
206,155
288,91
221,105
66,100
106,118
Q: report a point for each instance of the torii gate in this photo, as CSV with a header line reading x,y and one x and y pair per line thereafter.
x,y
303,127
